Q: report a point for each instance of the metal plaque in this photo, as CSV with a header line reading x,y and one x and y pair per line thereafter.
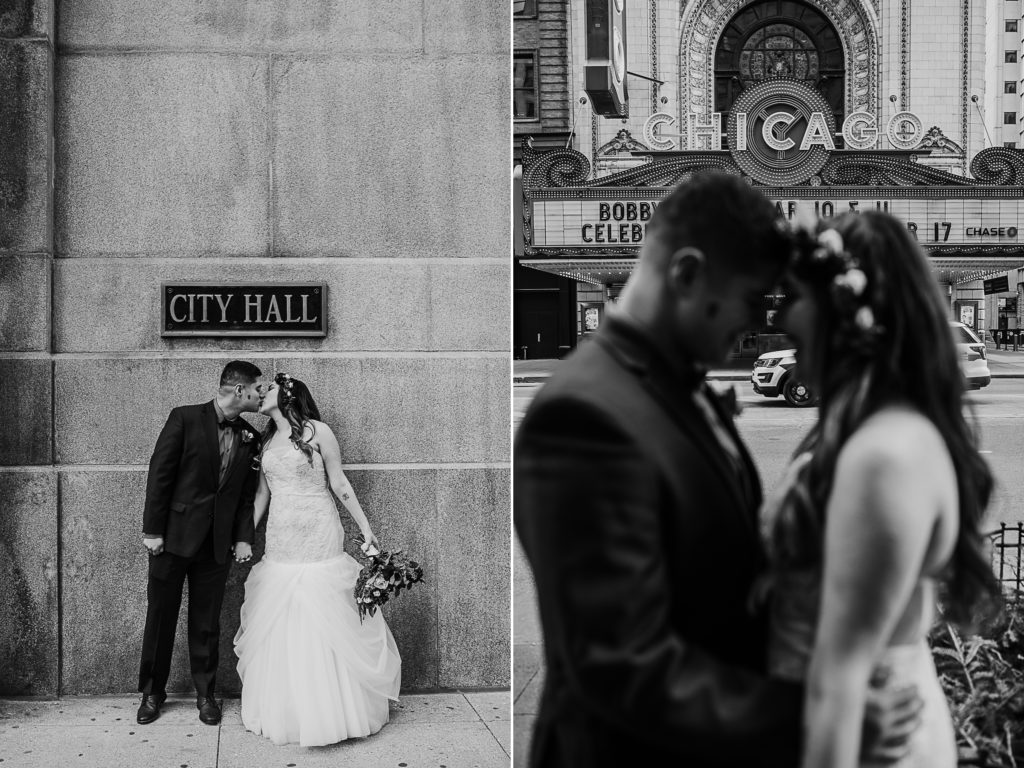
x,y
243,309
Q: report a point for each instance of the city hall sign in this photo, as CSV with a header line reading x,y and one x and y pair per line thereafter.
x,y
781,132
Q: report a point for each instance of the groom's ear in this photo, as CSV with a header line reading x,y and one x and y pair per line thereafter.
x,y
687,268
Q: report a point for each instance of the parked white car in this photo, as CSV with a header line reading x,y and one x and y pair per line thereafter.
x,y
973,360
773,371
773,376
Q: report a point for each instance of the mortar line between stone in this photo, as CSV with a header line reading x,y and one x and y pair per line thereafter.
x,y
271,207
432,466
206,354
60,590
99,50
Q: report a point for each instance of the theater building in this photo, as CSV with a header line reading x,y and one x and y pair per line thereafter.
x,y
296,184
825,105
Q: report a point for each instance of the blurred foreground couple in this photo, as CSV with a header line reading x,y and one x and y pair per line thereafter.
x,y
686,619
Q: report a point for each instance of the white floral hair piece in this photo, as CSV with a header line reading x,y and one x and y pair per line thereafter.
x,y
284,381
850,282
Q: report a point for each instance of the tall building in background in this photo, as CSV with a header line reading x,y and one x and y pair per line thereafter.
x,y
829,105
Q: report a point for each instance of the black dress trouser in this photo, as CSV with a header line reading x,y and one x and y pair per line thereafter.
x,y
206,583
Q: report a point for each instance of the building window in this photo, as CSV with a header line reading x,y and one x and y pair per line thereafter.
x,y
1010,86
1011,25
1009,118
1010,144
524,86
528,8
1010,57
769,38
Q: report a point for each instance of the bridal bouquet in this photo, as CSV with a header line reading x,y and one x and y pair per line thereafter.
x,y
384,575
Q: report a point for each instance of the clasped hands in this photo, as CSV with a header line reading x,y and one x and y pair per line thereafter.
x,y
155,546
243,552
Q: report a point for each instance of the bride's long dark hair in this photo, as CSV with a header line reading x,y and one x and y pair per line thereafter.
x,y
298,407
906,354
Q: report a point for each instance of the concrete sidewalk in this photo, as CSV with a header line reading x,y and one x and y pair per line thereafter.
x,y
440,730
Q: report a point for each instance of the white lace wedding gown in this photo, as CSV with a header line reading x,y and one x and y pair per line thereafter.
x,y
312,674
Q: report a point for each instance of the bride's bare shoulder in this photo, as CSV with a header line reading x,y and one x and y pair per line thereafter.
x,y
315,431
899,442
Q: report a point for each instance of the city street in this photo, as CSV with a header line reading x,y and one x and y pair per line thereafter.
x,y
772,430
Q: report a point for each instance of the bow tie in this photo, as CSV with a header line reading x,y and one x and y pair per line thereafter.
x,y
234,424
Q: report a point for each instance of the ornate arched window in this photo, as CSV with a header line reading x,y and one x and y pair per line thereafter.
x,y
780,38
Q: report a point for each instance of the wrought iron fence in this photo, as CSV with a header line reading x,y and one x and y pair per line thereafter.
x,y
1006,555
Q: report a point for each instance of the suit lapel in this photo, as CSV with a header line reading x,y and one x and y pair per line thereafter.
x,y
211,441
631,347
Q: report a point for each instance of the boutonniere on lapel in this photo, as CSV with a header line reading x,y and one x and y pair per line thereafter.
x,y
247,436
729,399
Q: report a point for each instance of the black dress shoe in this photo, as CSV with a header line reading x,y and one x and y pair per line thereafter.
x,y
209,711
149,709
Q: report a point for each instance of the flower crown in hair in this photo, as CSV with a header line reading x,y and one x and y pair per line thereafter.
x,y
285,395
825,253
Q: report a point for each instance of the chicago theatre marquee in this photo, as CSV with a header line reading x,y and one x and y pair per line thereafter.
x,y
826,105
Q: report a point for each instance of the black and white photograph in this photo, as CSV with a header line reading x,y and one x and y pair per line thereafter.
x,y
768,383
255,328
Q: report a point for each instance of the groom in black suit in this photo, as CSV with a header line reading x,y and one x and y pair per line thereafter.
x,y
636,504
199,506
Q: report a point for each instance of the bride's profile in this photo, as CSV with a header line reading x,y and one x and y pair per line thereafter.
x,y
878,517
313,673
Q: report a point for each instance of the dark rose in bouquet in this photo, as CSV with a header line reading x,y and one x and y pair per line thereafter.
x,y
384,576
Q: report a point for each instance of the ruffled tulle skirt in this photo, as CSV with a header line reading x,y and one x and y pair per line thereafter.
x,y
312,674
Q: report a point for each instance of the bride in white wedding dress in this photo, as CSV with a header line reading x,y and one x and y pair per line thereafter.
x,y
311,672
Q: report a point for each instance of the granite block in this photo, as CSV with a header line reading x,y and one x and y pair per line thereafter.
x,y
104,576
474,520
26,18
382,409
95,428
26,438
373,305
24,303
402,509
28,583
397,410
161,154
26,125
391,157
481,27
244,26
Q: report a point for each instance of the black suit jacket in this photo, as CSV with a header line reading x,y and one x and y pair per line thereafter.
x,y
184,495
644,546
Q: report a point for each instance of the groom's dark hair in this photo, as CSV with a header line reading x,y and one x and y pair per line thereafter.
x,y
239,372
723,216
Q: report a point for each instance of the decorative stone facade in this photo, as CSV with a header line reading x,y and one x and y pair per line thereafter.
x,y
277,141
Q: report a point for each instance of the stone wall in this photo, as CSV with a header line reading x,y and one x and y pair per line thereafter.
x,y
363,145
